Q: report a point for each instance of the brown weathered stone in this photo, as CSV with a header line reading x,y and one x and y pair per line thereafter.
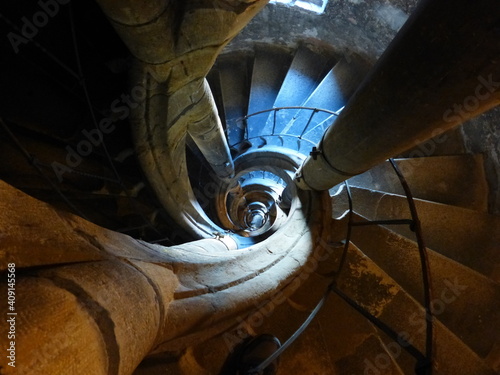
x,y
138,298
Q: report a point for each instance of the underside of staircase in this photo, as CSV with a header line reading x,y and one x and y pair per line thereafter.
x,y
160,260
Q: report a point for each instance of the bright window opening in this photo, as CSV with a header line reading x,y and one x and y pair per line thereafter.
x,y
317,6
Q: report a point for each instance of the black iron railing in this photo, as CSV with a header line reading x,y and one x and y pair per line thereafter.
x,y
307,129
424,360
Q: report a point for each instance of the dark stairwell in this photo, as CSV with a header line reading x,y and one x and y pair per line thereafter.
x,y
268,254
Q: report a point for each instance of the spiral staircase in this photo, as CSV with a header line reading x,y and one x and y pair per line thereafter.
x,y
278,101
347,261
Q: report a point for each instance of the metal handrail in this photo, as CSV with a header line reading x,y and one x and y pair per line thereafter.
x,y
425,367
275,110
424,360
273,135
335,113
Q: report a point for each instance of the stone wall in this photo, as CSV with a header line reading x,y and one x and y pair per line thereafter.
x,y
365,27
482,135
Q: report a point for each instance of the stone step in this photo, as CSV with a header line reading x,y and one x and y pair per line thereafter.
x,y
450,142
234,84
270,66
331,94
363,281
305,73
469,237
316,132
276,316
463,298
339,341
328,346
405,361
457,180
358,363
309,354
351,339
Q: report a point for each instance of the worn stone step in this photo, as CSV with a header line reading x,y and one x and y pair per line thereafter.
x,y
363,281
405,361
336,341
469,237
216,356
305,73
358,363
450,142
270,66
457,180
277,316
321,348
316,350
463,299
339,341
351,339
316,132
309,354
331,94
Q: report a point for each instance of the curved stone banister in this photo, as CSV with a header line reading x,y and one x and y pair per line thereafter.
x,y
127,298
176,99
160,125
